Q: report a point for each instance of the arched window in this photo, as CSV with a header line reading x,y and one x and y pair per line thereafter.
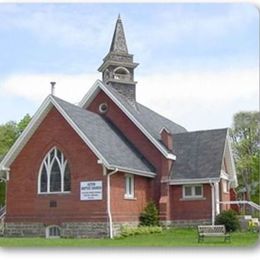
x,y
54,176
53,232
121,73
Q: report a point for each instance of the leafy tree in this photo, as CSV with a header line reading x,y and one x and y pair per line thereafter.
x,y
9,132
23,123
246,146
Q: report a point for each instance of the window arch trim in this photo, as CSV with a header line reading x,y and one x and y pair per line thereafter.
x,y
48,162
123,69
53,229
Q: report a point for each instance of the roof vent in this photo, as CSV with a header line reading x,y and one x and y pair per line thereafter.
x,y
53,87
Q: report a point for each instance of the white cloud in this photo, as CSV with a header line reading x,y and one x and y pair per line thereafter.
x,y
193,25
58,24
201,99
36,87
195,99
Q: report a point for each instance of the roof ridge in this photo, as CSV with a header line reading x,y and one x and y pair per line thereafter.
x,y
205,130
76,106
161,115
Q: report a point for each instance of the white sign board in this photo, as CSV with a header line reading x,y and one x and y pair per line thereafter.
x,y
91,190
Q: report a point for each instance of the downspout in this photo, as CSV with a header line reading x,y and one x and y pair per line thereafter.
x,y
108,203
212,202
217,198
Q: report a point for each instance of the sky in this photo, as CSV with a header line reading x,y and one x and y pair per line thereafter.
x,y
199,63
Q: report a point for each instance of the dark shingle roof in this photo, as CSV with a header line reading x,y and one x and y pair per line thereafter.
x,y
150,120
198,154
106,138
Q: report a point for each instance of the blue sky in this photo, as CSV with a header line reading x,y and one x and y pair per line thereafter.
x,y
198,62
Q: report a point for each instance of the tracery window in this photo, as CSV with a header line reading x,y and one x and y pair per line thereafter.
x,y
54,175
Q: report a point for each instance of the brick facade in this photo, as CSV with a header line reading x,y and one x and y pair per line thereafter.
x,y
26,207
224,195
25,204
134,135
29,213
125,210
190,209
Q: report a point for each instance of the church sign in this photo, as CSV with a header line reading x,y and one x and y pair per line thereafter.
x,y
91,190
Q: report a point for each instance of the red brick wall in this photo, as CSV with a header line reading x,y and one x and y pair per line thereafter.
x,y
233,197
23,202
129,209
189,209
224,196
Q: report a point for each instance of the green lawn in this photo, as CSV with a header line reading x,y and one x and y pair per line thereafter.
x,y
176,237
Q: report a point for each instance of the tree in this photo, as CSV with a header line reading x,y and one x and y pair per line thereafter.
x,y
150,215
246,146
9,132
23,123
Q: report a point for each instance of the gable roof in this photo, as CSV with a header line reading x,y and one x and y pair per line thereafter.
x,y
199,154
107,139
148,121
100,135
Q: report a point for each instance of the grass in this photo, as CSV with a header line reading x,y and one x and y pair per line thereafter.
x,y
177,237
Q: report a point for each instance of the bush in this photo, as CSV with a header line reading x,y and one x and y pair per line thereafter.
x,y
132,231
229,219
150,215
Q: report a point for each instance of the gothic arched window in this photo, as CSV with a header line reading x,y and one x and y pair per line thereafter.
x,y
54,175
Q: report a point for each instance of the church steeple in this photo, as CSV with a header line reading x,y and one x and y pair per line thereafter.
x,y
118,66
119,42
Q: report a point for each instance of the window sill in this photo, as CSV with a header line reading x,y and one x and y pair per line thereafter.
x,y
54,193
193,198
129,198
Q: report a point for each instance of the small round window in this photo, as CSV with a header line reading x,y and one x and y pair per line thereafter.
x,y
103,108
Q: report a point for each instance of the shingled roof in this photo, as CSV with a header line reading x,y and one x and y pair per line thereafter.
x,y
148,121
199,154
106,138
151,121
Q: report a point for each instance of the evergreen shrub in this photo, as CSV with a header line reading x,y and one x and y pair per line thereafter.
x,y
229,219
150,215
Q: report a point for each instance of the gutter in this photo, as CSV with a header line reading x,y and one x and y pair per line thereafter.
x,y
191,181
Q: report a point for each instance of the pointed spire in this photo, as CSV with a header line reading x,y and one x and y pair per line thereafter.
x,y
119,41
118,65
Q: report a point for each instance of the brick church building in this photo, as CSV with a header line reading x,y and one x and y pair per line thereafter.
x,y
85,170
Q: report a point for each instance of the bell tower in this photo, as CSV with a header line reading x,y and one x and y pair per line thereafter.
x,y
118,66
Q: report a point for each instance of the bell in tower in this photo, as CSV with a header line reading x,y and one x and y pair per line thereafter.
x,y
118,66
